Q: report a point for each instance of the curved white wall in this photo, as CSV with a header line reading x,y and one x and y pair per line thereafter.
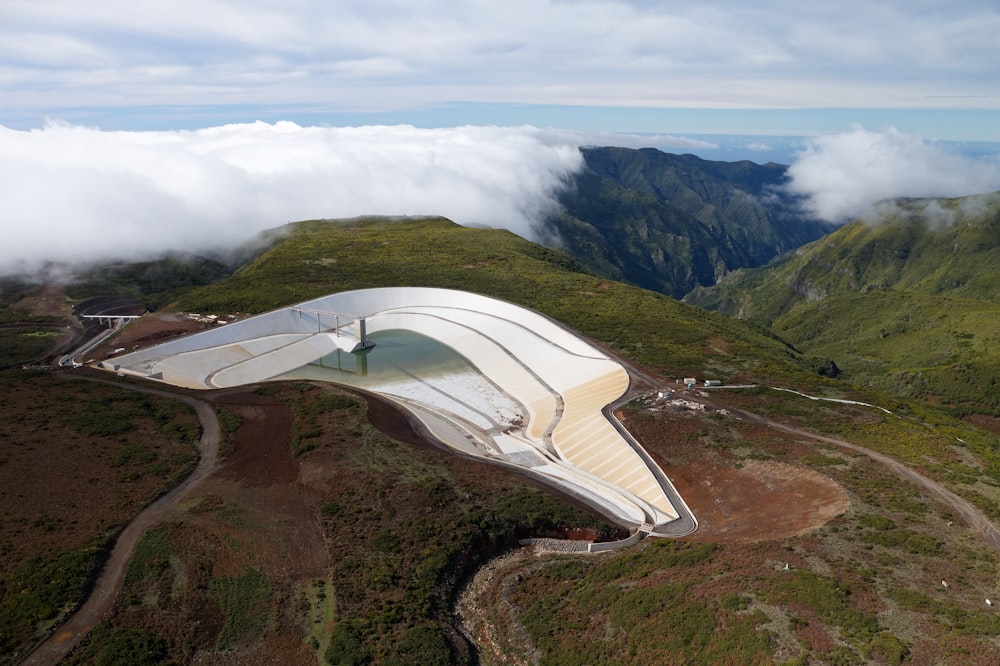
x,y
561,381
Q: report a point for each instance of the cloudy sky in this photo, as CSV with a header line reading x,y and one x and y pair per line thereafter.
x,y
99,95
475,57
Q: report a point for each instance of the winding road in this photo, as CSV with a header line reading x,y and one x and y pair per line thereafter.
x,y
108,584
973,517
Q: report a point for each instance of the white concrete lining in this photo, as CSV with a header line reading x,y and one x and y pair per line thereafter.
x,y
491,359
560,382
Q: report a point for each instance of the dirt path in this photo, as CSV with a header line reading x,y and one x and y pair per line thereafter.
x,y
972,516
108,584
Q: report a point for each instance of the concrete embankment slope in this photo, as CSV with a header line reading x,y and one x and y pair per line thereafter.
x,y
557,382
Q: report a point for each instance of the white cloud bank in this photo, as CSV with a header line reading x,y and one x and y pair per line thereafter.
x,y
74,193
844,175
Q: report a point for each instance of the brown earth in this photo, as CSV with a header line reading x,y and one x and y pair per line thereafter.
x,y
735,498
760,501
64,491
48,300
151,329
985,422
260,506
262,456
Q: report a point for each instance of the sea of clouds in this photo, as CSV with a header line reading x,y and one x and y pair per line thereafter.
x,y
72,193
842,176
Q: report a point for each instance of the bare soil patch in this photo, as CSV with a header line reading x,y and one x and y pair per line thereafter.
x,y
733,497
152,329
261,455
985,422
48,300
760,501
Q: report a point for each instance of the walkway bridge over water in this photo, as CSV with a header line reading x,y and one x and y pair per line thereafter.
x,y
342,322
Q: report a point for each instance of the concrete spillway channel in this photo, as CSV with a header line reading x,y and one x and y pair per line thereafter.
x,y
486,377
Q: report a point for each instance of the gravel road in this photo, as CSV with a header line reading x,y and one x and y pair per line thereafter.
x,y
108,584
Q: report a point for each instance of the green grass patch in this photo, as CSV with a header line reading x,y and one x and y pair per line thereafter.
x,y
322,606
37,591
122,646
830,599
246,602
151,557
904,539
228,419
19,346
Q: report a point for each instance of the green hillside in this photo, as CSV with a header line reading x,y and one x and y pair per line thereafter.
x,y
673,222
356,547
154,283
319,257
908,301
680,601
931,347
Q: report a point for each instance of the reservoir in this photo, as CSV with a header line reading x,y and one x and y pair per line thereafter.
x,y
419,369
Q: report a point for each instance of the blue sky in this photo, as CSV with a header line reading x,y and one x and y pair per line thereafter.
x,y
111,104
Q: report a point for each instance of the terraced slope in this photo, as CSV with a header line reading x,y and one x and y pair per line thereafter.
x,y
531,394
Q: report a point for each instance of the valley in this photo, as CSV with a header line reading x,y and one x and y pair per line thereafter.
x,y
333,530
561,333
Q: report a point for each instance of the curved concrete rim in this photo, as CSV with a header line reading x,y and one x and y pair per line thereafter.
x,y
535,394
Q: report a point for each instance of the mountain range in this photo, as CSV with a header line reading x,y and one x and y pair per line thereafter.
x,y
906,300
331,532
672,223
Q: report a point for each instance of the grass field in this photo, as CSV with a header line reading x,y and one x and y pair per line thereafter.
x,y
323,537
78,461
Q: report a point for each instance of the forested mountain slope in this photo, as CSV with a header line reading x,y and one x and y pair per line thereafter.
x,y
908,300
673,222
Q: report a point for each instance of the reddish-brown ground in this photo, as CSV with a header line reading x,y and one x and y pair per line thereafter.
x,y
733,498
262,456
985,422
261,517
260,508
151,329
762,500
